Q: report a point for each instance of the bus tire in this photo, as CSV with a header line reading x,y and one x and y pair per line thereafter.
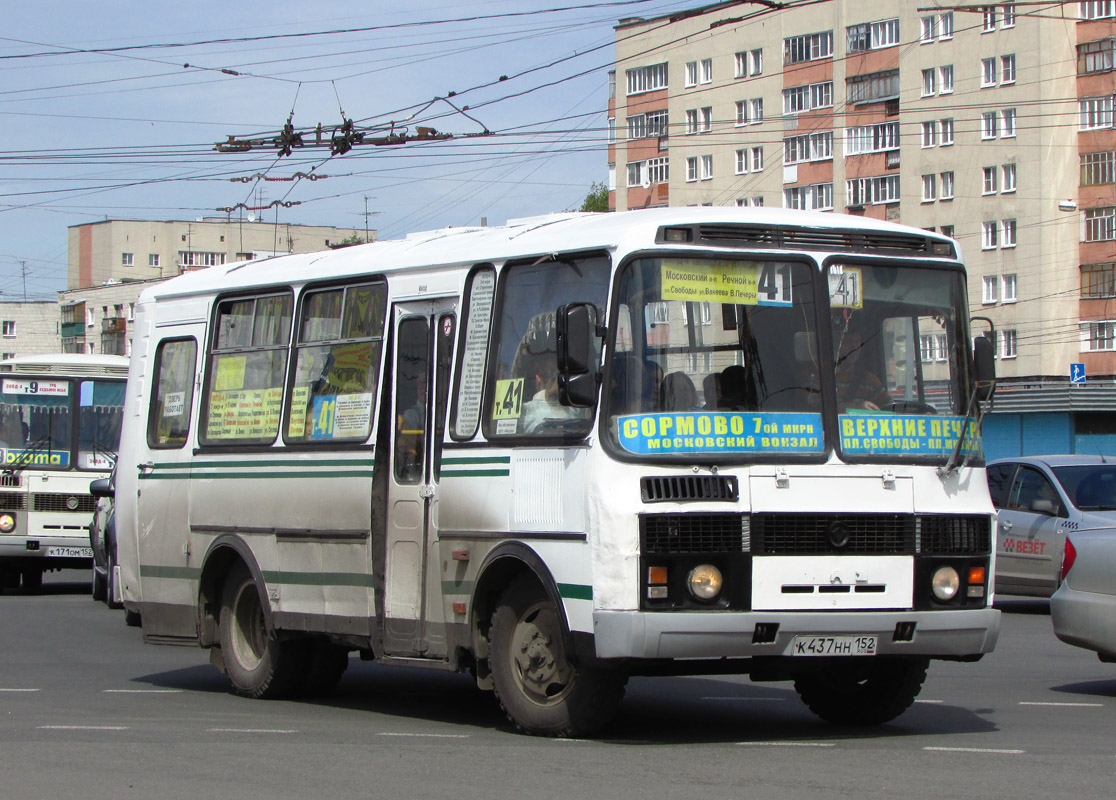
x,y
258,665
32,579
540,689
326,663
862,692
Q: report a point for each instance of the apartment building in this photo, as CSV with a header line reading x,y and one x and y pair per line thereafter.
x,y
129,250
991,123
28,328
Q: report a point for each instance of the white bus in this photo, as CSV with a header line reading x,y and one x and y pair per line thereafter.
x,y
59,429
566,451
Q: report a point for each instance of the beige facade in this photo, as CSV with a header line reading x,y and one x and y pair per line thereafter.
x,y
128,250
98,319
28,329
975,123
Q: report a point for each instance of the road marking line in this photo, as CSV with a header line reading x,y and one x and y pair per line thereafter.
x,y
20,690
429,735
249,730
83,728
142,691
974,750
1066,705
750,699
785,744
931,702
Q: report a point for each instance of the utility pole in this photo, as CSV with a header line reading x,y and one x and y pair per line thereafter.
x,y
23,269
366,219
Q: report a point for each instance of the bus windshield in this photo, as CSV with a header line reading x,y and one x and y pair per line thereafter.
x,y
38,416
728,358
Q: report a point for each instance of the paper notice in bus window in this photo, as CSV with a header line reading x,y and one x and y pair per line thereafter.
x,y
174,404
509,399
300,397
845,287
230,373
745,283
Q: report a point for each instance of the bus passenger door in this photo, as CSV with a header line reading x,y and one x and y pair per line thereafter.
x,y
424,335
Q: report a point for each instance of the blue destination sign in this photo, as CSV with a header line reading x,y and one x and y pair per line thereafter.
x,y
35,458
693,432
915,435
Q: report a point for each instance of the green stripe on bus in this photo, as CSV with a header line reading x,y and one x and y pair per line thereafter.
x,y
313,473
176,573
475,473
271,462
575,591
478,460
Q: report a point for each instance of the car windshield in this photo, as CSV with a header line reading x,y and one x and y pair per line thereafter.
x,y
1090,488
716,357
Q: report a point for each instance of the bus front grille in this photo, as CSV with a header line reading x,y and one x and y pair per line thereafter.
x,y
675,488
662,534
818,534
75,503
944,535
12,501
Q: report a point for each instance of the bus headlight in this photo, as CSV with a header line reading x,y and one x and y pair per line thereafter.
x,y
705,582
7,523
945,583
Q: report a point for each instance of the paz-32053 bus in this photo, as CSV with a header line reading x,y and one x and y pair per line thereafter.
x,y
565,451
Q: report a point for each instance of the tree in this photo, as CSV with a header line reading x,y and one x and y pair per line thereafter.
x,y
597,199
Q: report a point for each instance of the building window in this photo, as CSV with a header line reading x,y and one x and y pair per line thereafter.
x,y
873,87
705,74
691,169
1097,9
872,138
987,72
872,35
947,131
741,112
990,237
874,191
1007,342
1008,18
1007,69
755,62
658,171
930,133
991,289
1095,56
1094,112
646,79
637,126
706,167
929,29
811,47
754,202
947,230
706,122
127,259
989,181
1100,224
1007,123
749,159
1099,336
945,26
657,124
1010,295
757,110
817,197
929,188
635,173
805,98
945,75
9,327
691,74
691,120
809,147
933,347
988,125
929,82
989,19
947,185
1098,280
1009,227
153,259
757,159
1007,173
189,258
1098,169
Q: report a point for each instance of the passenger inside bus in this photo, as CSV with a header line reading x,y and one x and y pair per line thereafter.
x,y
858,387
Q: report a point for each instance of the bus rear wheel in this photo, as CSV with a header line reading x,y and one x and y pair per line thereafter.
x,y
862,691
258,664
540,689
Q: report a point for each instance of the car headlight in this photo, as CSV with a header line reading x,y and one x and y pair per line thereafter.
x,y
7,523
945,583
705,582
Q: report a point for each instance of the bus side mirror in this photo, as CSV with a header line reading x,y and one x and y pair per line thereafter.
x,y
577,374
984,358
102,487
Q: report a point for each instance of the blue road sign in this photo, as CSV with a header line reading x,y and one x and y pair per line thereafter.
x,y
1077,373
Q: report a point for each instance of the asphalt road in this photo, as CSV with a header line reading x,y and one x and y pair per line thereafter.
x,y
87,710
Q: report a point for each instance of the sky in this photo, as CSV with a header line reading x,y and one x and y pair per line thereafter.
x,y
113,110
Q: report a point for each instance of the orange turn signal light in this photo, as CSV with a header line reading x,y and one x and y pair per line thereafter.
x,y
656,576
976,575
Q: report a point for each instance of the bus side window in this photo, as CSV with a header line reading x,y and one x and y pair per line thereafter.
x,y
172,395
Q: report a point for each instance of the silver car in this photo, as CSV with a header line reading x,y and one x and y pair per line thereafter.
x,y
1083,609
1039,499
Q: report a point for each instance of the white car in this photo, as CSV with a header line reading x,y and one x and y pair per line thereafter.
x,y
1083,609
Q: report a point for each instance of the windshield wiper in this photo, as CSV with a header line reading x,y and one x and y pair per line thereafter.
x,y
951,465
27,455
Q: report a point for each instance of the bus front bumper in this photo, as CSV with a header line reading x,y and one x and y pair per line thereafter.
x,y
957,634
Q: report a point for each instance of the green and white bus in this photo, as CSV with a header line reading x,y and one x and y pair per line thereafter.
x,y
566,451
59,429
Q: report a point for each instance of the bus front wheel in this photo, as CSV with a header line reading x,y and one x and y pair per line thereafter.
x,y
862,691
258,664
540,689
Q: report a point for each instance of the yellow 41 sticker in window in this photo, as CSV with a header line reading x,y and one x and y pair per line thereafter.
x,y
746,283
509,399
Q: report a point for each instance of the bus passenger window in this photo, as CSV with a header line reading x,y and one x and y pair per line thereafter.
x,y
411,394
172,395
